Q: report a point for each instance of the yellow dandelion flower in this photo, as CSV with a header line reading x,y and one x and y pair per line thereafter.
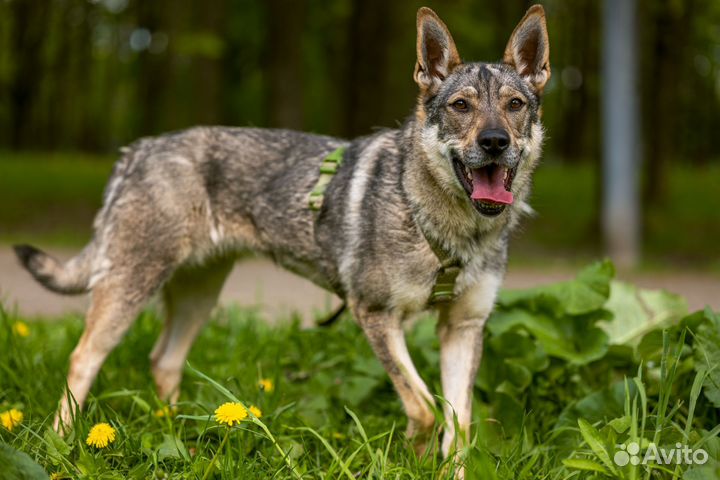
x,y
338,436
101,435
21,329
230,413
255,411
11,418
57,476
266,385
166,411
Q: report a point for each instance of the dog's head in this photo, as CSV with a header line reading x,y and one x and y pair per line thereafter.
x,y
480,122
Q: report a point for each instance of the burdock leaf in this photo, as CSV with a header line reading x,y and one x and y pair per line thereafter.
x,y
637,312
572,338
587,292
19,466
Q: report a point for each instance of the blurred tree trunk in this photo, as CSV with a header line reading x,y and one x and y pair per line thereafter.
x,y
65,97
578,123
55,97
152,70
506,15
670,31
29,29
369,32
698,82
207,74
284,57
88,130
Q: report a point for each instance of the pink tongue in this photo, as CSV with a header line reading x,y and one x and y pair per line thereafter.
x,y
488,185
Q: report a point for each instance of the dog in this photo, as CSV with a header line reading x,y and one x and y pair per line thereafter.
x,y
447,188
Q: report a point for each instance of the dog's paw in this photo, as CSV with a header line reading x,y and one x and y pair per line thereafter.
x,y
421,435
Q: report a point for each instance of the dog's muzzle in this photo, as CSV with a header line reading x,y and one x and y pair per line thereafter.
x,y
489,186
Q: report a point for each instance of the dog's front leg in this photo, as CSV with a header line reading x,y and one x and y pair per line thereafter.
x,y
460,329
387,339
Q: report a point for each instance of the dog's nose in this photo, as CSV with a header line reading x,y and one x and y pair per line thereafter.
x,y
494,141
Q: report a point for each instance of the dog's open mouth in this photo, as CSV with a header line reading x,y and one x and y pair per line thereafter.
x,y
488,187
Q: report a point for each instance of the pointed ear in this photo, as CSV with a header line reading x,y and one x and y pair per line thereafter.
x,y
436,52
528,50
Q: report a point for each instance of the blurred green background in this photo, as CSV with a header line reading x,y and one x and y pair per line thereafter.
x,y
79,79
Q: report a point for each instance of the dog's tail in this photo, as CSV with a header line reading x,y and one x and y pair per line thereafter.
x,y
69,278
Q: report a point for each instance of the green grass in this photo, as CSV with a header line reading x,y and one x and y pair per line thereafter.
x,y
548,405
51,199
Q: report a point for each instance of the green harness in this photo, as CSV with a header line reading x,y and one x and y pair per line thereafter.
x,y
444,289
328,168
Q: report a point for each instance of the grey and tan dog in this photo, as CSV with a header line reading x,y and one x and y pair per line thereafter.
x,y
453,179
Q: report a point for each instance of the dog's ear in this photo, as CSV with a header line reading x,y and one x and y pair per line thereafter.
x,y
528,50
436,52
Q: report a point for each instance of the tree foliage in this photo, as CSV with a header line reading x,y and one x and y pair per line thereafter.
x,y
93,75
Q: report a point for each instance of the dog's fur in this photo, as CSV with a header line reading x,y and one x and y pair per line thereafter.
x,y
178,208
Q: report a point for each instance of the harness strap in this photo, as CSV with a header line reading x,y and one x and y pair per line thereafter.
x,y
328,168
333,317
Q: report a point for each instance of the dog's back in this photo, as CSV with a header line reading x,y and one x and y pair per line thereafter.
x,y
199,193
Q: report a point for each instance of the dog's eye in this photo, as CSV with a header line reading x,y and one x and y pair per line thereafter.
x,y
460,105
516,104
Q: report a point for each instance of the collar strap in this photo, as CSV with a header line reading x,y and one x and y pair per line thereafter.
x,y
328,168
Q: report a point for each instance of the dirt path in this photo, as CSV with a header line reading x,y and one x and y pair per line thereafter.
x,y
277,293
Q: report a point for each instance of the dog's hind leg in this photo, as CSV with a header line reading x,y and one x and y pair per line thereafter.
x,y
189,296
117,299
387,339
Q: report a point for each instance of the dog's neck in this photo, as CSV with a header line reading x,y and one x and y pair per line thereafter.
x,y
441,212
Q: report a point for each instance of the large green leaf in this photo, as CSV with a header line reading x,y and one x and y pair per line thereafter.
x,y
509,411
598,406
15,465
561,317
510,359
357,388
172,447
588,292
636,312
574,338
506,372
